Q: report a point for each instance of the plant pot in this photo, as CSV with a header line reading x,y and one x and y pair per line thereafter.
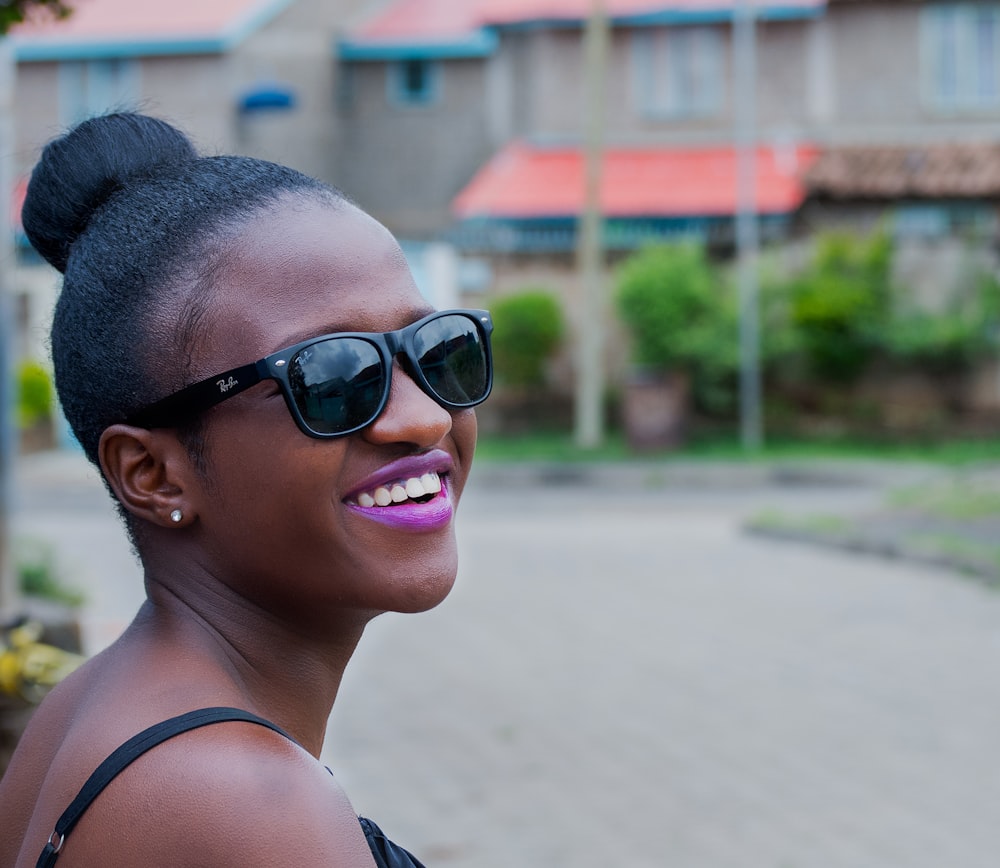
x,y
655,410
37,437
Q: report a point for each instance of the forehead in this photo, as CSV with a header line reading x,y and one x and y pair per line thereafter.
x,y
305,268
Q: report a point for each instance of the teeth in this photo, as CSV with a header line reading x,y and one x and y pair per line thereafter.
x,y
399,492
431,483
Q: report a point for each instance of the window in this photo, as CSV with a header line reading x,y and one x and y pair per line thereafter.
x,y
679,72
961,56
88,88
414,81
924,221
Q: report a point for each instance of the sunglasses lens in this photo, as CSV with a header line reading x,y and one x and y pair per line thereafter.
x,y
451,352
338,384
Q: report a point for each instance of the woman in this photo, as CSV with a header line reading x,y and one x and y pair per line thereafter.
x,y
283,478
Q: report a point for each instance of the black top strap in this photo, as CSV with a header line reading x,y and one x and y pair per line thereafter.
x,y
129,753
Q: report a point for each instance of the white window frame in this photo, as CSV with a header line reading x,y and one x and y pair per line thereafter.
x,y
960,56
679,72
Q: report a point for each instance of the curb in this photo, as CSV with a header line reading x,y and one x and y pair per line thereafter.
x,y
716,475
888,548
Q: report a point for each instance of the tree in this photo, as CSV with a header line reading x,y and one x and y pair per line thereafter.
x,y
14,11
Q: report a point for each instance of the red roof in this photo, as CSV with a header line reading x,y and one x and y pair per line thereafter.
x,y
524,182
440,19
17,203
102,20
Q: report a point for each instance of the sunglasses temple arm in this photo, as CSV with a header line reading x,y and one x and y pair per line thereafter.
x,y
200,396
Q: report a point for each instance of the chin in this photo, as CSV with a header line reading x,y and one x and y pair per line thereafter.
x,y
425,593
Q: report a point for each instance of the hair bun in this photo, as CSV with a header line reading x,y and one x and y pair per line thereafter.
x,y
80,170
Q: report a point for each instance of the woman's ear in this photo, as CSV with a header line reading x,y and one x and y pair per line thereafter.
x,y
149,472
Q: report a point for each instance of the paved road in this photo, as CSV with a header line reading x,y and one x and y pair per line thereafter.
x,y
623,678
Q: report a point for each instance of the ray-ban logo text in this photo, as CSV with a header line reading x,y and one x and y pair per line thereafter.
x,y
226,385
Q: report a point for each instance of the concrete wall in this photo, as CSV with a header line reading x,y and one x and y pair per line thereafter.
x,y
404,163
875,76
201,92
532,87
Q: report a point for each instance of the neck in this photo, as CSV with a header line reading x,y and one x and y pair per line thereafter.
x,y
216,644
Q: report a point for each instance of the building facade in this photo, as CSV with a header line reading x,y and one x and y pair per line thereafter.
x,y
439,96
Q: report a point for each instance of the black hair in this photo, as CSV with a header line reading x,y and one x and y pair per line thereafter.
x,y
123,205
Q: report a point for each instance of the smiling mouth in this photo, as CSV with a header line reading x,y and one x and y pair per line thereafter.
x,y
415,489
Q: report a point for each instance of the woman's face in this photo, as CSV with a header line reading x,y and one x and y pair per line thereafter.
x,y
285,519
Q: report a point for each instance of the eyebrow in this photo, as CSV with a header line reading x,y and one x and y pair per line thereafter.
x,y
310,334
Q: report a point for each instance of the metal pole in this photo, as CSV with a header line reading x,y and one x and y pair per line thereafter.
x,y
747,231
8,435
589,409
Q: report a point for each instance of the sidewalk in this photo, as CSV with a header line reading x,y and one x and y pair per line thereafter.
x,y
60,502
622,676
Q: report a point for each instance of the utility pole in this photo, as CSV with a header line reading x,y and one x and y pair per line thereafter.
x,y
8,585
747,230
589,405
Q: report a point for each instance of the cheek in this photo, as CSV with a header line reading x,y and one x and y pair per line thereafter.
x,y
464,431
267,478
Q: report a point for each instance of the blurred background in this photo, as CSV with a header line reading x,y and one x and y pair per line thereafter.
x,y
728,594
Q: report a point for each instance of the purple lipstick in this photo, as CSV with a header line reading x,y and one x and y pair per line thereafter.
x,y
411,494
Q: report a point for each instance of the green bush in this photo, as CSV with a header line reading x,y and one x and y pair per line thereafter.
x,y
680,314
669,298
528,328
35,395
952,340
840,304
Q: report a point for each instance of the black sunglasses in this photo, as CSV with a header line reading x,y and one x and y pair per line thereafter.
x,y
337,384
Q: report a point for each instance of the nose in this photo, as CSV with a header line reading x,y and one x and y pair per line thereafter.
x,y
410,415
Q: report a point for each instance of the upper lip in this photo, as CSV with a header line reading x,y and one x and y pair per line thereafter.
x,y
435,461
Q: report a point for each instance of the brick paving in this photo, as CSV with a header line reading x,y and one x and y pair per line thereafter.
x,y
622,677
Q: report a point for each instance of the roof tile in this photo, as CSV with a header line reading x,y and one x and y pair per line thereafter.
x,y
969,170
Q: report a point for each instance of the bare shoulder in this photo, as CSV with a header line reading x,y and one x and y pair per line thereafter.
x,y
233,794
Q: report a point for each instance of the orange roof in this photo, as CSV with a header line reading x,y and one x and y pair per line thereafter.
x,y
525,182
447,19
182,24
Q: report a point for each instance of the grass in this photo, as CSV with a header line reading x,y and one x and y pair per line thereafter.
x,y
38,575
956,516
971,554
957,500
561,447
548,447
821,524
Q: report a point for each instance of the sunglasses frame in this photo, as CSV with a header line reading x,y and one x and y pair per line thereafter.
x,y
198,397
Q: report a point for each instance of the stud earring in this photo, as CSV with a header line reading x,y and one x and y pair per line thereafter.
x,y
176,516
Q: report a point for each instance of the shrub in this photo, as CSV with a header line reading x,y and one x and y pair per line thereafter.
x,y
35,395
668,297
840,304
528,330
950,341
681,315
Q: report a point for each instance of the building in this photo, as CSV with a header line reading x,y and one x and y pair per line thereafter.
x,y
462,121
251,76
484,103
240,76
466,119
